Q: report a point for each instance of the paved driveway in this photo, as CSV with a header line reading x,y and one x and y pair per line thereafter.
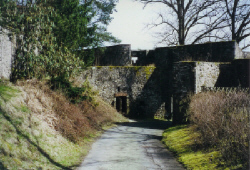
x,y
131,146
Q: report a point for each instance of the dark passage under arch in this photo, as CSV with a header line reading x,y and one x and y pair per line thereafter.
x,y
121,102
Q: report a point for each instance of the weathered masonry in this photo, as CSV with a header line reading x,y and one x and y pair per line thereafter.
x,y
6,54
161,78
128,89
145,91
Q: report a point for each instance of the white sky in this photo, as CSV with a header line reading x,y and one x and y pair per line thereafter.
x,y
130,21
129,24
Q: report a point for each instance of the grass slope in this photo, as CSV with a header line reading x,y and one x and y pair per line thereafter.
x,y
29,137
185,142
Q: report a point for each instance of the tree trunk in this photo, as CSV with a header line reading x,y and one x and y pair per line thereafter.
x,y
181,19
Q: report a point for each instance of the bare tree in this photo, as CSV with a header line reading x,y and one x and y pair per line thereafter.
x,y
186,20
238,19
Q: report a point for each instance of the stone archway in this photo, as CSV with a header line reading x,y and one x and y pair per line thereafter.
x,y
121,102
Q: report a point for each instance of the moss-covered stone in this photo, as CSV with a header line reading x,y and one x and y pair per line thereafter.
x,y
135,81
148,71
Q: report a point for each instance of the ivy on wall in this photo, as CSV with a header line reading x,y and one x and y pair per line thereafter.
x,y
37,54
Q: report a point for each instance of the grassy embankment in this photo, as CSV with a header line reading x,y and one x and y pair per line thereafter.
x,y
41,129
184,141
218,137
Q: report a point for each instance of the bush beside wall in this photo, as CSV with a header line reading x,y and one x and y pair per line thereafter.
x,y
223,121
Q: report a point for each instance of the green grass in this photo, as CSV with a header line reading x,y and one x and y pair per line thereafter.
x,y
15,151
22,139
185,142
27,141
7,92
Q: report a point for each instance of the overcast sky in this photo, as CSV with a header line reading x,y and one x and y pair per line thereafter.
x,y
129,24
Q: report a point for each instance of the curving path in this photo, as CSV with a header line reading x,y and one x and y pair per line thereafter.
x,y
131,146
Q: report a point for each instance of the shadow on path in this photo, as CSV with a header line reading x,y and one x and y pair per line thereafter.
x,y
149,124
133,145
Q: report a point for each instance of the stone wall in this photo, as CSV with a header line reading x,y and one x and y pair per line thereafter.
x,y
179,71
118,55
241,69
222,74
142,91
183,78
162,90
191,77
210,52
6,55
145,57
213,74
159,90
183,85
